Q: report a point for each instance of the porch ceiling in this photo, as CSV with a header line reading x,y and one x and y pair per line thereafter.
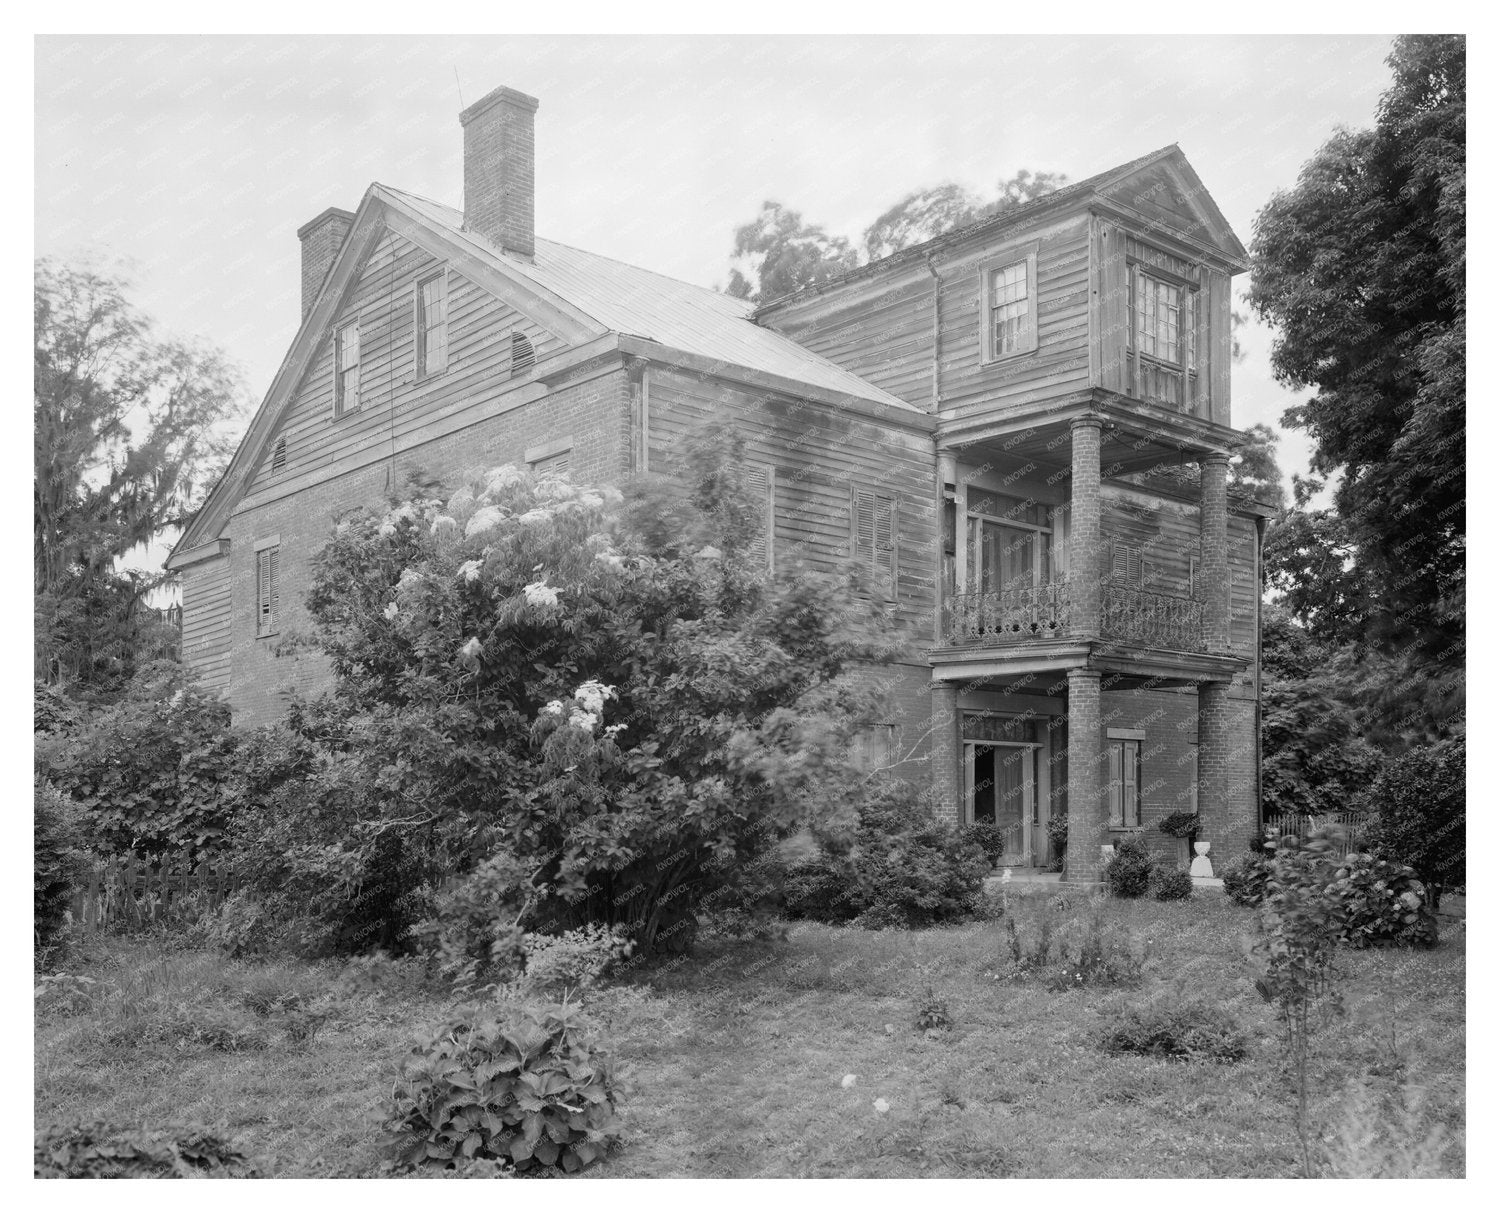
x,y
1136,436
1041,668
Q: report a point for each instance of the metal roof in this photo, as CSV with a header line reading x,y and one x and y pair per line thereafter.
x,y
640,303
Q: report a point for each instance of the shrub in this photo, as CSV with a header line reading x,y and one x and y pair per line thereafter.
x,y
574,959
532,1089
98,1151
1168,884
1197,1029
912,869
474,932
1419,806
58,864
933,1014
824,889
987,836
1128,874
1381,902
1245,879
1181,824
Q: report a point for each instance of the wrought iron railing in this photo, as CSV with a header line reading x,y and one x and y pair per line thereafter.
x,y
1163,621
1007,616
1044,612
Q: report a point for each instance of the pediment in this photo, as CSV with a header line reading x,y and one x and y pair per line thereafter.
x,y
1169,197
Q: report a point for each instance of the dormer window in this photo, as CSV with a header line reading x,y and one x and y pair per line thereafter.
x,y
346,370
1008,304
1163,338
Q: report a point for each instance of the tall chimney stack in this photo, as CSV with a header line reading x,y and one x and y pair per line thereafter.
x,y
500,170
321,240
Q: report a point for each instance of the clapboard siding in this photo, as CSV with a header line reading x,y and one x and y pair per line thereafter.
x,y
821,455
393,402
207,621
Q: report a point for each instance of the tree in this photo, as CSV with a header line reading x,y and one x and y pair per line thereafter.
x,y
126,432
525,677
1361,268
1254,472
920,216
777,253
1420,810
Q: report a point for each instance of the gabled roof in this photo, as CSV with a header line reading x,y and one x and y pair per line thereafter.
x,y
1110,187
581,297
626,299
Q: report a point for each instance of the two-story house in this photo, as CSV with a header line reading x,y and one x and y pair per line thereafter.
x,y
1021,427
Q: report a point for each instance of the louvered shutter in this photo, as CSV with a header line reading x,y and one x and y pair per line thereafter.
x,y
760,482
875,536
268,591
1127,566
522,354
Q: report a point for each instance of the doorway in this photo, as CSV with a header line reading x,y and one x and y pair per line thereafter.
x,y
1000,788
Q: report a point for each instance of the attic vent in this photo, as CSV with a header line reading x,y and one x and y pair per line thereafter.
x,y
278,456
522,356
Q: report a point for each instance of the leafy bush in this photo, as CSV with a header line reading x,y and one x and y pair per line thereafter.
x,y
1381,902
1168,884
99,1151
154,772
1057,835
574,959
1181,824
987,836
824,889
57,858
1128,874
912,869
531,1089
1420,815
474,932
1245,879
1198,1029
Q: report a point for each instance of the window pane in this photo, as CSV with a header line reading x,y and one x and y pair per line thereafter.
x,y
1010,309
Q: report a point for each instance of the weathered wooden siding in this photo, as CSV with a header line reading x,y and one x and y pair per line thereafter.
x,y
393,402
820,455
207,621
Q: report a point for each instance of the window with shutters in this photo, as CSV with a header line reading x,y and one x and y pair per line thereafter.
x,y
346,370
1129,567
760,484
1008,304
874,537
522,355
1192,582
432,325
1124,782
267,591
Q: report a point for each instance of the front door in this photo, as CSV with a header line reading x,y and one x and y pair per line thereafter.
x,y
1000,788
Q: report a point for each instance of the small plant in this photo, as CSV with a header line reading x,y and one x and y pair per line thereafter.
x,y
98,1151
1181,824
65,994
1057,835
1386,1139
1168,884
474,932
1382,902
1128,874
1197,1030
1102,956
574,959
1300,926
530,1089
1245,879
932,1013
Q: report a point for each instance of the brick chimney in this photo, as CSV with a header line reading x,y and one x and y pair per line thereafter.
x,y
500,170
321,240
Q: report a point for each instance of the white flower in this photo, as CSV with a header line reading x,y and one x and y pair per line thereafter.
x,y
471,652
708,552
539,593
484,518
387,529
611,560
444,526
469,569
531,517
503,477
409,578
882,1105
554,708
391,610
592,500
592,694
614,731
612,494
587,721
849,1081
1005,876
461,502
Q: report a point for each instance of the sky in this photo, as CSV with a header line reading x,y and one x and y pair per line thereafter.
x,y
192,161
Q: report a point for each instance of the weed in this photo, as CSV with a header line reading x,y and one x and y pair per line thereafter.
x,y
1395,1138
932,1013
1197,1029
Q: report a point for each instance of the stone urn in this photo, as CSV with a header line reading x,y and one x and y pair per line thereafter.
x,y
1201,866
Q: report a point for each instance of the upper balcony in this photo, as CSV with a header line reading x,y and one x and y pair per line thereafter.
x,y
1024,615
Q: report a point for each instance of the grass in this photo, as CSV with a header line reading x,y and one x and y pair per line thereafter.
x,y
735,1061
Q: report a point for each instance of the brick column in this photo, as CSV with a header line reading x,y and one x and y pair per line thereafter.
x,y
1085,777
1213,551
947,753
1085,536
1213,768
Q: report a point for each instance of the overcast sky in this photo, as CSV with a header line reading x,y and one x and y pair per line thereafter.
x,y
196,159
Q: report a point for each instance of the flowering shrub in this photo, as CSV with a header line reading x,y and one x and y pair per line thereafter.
x,y
537,667
1381,902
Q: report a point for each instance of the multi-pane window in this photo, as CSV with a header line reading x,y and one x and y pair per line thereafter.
x,y
1163,339
346,370
1010,310
1010,545
267,591
875,537
432,325
1125,782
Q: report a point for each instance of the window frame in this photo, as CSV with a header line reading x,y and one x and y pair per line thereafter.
x,y
1016,255
341,407
1188,365
891,577
421,328
268,586
1121,744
